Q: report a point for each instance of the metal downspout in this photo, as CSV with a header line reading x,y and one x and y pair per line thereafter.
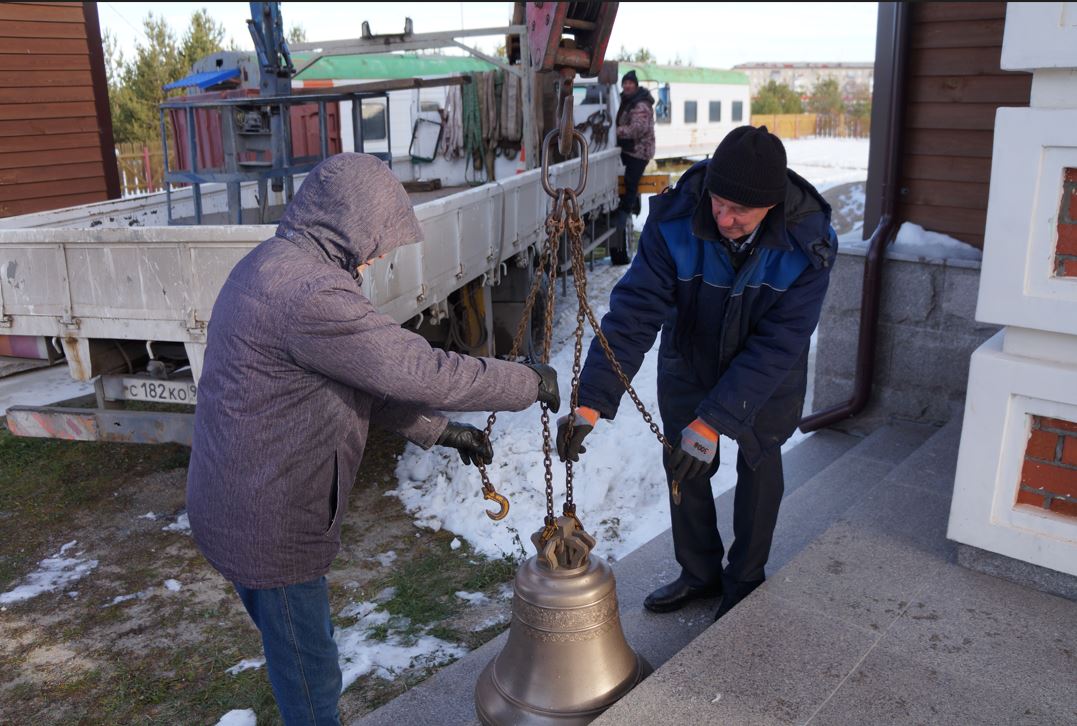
x,y
896,16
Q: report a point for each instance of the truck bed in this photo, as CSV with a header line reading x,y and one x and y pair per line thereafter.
x,y
111,271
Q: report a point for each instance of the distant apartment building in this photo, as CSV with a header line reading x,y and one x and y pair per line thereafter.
x,y
801,77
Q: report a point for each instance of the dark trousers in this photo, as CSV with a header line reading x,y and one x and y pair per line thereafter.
x,y
301,655
633,171
697,543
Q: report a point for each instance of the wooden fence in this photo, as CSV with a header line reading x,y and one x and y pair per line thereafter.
x,y
802,125
141,168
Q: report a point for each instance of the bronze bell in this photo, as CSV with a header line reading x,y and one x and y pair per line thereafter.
x,y
566,660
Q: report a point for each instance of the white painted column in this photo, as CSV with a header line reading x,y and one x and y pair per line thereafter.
x,y
1015,465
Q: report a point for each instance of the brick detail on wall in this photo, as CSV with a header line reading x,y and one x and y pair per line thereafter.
x,y
1066,247
1049,474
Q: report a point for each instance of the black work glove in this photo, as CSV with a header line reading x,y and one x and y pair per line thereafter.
x,y
583,422
469,441
548,392
697,449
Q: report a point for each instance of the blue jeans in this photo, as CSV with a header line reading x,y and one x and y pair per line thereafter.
x,y
301,655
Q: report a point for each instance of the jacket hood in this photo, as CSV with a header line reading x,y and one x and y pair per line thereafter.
x,y
350,209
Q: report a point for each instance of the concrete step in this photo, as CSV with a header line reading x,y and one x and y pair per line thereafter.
x,y
873,622
820,461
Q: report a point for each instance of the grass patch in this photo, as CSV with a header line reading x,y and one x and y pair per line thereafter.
x,y
182,684
425,587
46,482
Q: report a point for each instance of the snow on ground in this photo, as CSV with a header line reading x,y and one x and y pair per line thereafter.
x,y
378,644
124,598
53,573
173,585
828,162
239,717
473,598
182,525
364,650
40,388
246,664
386,558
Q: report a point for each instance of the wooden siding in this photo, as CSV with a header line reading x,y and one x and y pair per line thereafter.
x,y
56,146
953,87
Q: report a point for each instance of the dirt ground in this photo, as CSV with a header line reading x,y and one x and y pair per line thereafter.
x,y
162,656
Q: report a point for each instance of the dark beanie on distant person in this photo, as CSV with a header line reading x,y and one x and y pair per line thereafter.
x,y
748,168
630,76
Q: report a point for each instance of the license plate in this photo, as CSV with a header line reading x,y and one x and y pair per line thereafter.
x,y
141,389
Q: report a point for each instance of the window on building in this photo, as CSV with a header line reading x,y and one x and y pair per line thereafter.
x,y
663,110
373,122
715,111
738,110
689,112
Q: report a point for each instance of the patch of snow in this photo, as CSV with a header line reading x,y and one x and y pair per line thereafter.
x,y
912,239
73,594
182,525
498,619
53,573
358,609
124,598
385,594
245,665
239,717
472,598
827,163
455,544
173,585
362,654
149,515
386,558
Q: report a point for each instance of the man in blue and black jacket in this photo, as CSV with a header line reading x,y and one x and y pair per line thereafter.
x,y
732,267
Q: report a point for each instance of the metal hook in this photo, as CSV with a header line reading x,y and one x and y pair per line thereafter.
x,y
501,501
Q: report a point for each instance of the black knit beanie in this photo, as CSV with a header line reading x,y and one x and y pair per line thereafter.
x,y
748,168
630,76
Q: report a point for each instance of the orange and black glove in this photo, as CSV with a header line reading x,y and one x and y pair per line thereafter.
x,y
696,452
583,422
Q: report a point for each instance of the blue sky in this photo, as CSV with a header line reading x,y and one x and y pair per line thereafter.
x,y
717,35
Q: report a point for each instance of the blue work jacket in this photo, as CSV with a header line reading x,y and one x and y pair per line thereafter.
x,y
734,340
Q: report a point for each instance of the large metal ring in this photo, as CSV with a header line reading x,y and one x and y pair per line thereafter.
x,y
577,137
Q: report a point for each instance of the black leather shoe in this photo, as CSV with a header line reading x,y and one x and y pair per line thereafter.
x,y
738,591
677,594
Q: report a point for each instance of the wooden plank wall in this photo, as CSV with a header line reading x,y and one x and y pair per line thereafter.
x,y
56,146
953,87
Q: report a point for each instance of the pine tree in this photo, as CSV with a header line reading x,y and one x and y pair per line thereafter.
x,y
774,97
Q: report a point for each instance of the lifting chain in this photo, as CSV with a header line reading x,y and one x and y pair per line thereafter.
x,y
565,221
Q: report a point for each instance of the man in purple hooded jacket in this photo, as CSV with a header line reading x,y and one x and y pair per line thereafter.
x,y
298,364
